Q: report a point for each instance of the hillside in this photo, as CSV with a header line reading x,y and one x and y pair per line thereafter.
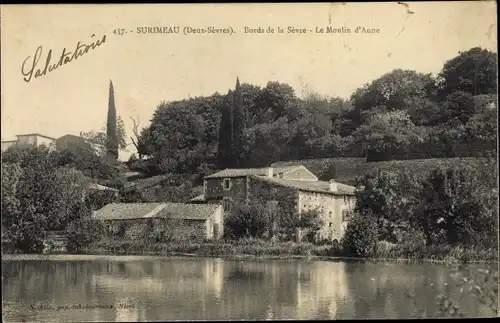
x,y
346,170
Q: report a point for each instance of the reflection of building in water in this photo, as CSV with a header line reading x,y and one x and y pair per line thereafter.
x,y
175,281
212,276
324,290
269,314
130,285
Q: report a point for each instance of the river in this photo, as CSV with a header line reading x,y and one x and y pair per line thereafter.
x,y
73,288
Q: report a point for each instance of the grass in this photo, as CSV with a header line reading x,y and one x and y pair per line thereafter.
x,y
244,247
346,170
441,253
268,249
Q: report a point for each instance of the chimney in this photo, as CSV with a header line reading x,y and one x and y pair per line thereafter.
x,y
333,186
270,172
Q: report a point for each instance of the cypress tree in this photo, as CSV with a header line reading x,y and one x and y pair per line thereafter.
x,y
224,154
111,133
239,121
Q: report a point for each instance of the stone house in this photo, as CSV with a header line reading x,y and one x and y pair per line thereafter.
x,y
173,220
29,141
291,188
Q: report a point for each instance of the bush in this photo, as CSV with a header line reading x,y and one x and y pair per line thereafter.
x,y
311,221
82,233
247,220
457,208
360,237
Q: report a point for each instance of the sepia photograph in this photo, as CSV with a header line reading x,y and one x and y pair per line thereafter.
x,y
270,161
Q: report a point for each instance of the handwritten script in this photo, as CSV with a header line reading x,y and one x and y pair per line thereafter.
x,y
31,69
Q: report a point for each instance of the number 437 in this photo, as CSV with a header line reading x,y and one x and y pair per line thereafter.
x,y
119,32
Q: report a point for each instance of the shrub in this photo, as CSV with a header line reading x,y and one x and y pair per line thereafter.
x,y
247,220
457,208
312,222
82,233
360,237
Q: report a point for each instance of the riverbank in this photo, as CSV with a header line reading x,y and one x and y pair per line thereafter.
x,y
149,254
252,248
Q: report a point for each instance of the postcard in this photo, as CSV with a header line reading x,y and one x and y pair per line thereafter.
x,y
249,161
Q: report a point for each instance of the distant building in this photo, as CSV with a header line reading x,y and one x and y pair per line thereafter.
x,y
184,221
292,187
29,141
69,141
73,142
6,144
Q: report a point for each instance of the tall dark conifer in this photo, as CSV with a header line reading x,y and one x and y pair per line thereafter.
x,y
111,132
239,121
224,154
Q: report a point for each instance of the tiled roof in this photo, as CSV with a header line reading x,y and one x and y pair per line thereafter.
x,y
188,211
119,211
240,172
123,211
282,169
316,186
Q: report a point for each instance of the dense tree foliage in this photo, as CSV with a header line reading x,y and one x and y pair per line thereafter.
x,y
401,115
247,220
40,195
473,71
453,206
44,189
183,134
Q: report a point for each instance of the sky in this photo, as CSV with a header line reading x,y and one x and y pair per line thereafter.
x,y
147,69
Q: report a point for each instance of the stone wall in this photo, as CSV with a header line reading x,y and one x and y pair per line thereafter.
x,y
331,208
262,192
215,189
134,229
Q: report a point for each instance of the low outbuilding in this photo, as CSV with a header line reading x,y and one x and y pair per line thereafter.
x,y
170,220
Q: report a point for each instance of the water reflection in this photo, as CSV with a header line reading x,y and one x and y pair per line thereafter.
x,y
149,288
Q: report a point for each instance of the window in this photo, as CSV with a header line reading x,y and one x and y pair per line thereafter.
x,y
330,224
226,204
330,214
345,198
345,216
227,183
